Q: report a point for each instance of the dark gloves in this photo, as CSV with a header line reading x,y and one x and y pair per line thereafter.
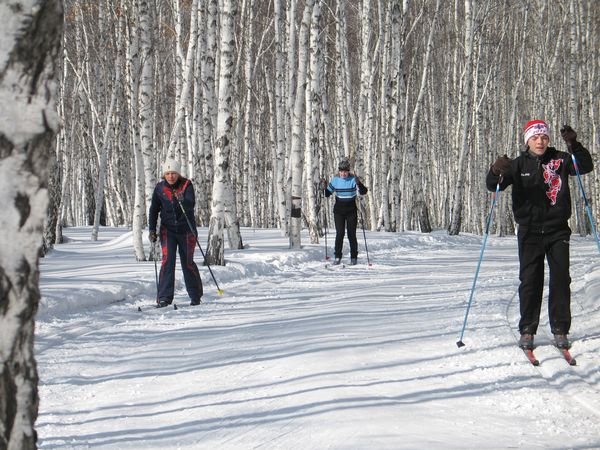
x,y
501,166
322,184
569,135
152,236
362,190
178,195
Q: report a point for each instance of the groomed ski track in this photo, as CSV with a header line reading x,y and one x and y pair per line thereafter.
x,y
295,356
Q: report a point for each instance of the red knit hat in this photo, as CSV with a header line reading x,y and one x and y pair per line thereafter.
x,y
534,127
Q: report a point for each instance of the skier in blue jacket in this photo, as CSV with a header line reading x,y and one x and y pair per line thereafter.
x,y
345,212
171,194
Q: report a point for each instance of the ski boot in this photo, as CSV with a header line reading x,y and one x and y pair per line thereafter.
x,y
526,341
561,341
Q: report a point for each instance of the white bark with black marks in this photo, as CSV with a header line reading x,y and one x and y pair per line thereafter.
x,y
30,39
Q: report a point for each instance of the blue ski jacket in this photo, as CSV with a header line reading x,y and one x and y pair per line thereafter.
x,y
345,192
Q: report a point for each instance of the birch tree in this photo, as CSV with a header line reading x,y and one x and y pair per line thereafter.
x,y
182,106
249,186
296,158
102,143
280,119
145,95
366,88
417,205
465,102
344,81
30,38
209,105
133,67
144,151
573,102
312,121
223,202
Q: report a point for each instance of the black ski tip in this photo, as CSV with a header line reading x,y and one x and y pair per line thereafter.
x,y
460,344
174,305
139,309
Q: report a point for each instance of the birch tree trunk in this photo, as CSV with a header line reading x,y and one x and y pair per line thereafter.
x,y
312,122
417,207
102,163
250,185
145,98
343,85
133,92
573,65
365,87
296,158
396,99
223,202
280,120
30,39
181,108
465,102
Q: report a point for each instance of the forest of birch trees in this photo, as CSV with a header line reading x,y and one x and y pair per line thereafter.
x,y
259,99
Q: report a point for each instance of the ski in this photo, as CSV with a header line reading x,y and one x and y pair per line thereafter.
x,y
567,356
530,356
564,352
155,307
185,305
173,306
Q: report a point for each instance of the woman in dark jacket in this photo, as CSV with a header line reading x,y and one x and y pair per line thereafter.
x,y
542,208
174,199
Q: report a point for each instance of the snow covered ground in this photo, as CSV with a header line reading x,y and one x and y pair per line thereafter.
x,y
295,355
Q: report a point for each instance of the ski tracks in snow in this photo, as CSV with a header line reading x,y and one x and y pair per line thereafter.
x,y
578,383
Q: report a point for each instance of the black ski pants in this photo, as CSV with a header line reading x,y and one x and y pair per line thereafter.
x,y
186,244
534,247
345,219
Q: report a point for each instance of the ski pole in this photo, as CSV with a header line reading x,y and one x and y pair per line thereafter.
x,y
219,290
362,224
153,256
155,268
585,200
460,343
325,228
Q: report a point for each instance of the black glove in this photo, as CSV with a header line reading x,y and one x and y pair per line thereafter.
x,y
569,135
322,184
501,166
152,236
178,195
